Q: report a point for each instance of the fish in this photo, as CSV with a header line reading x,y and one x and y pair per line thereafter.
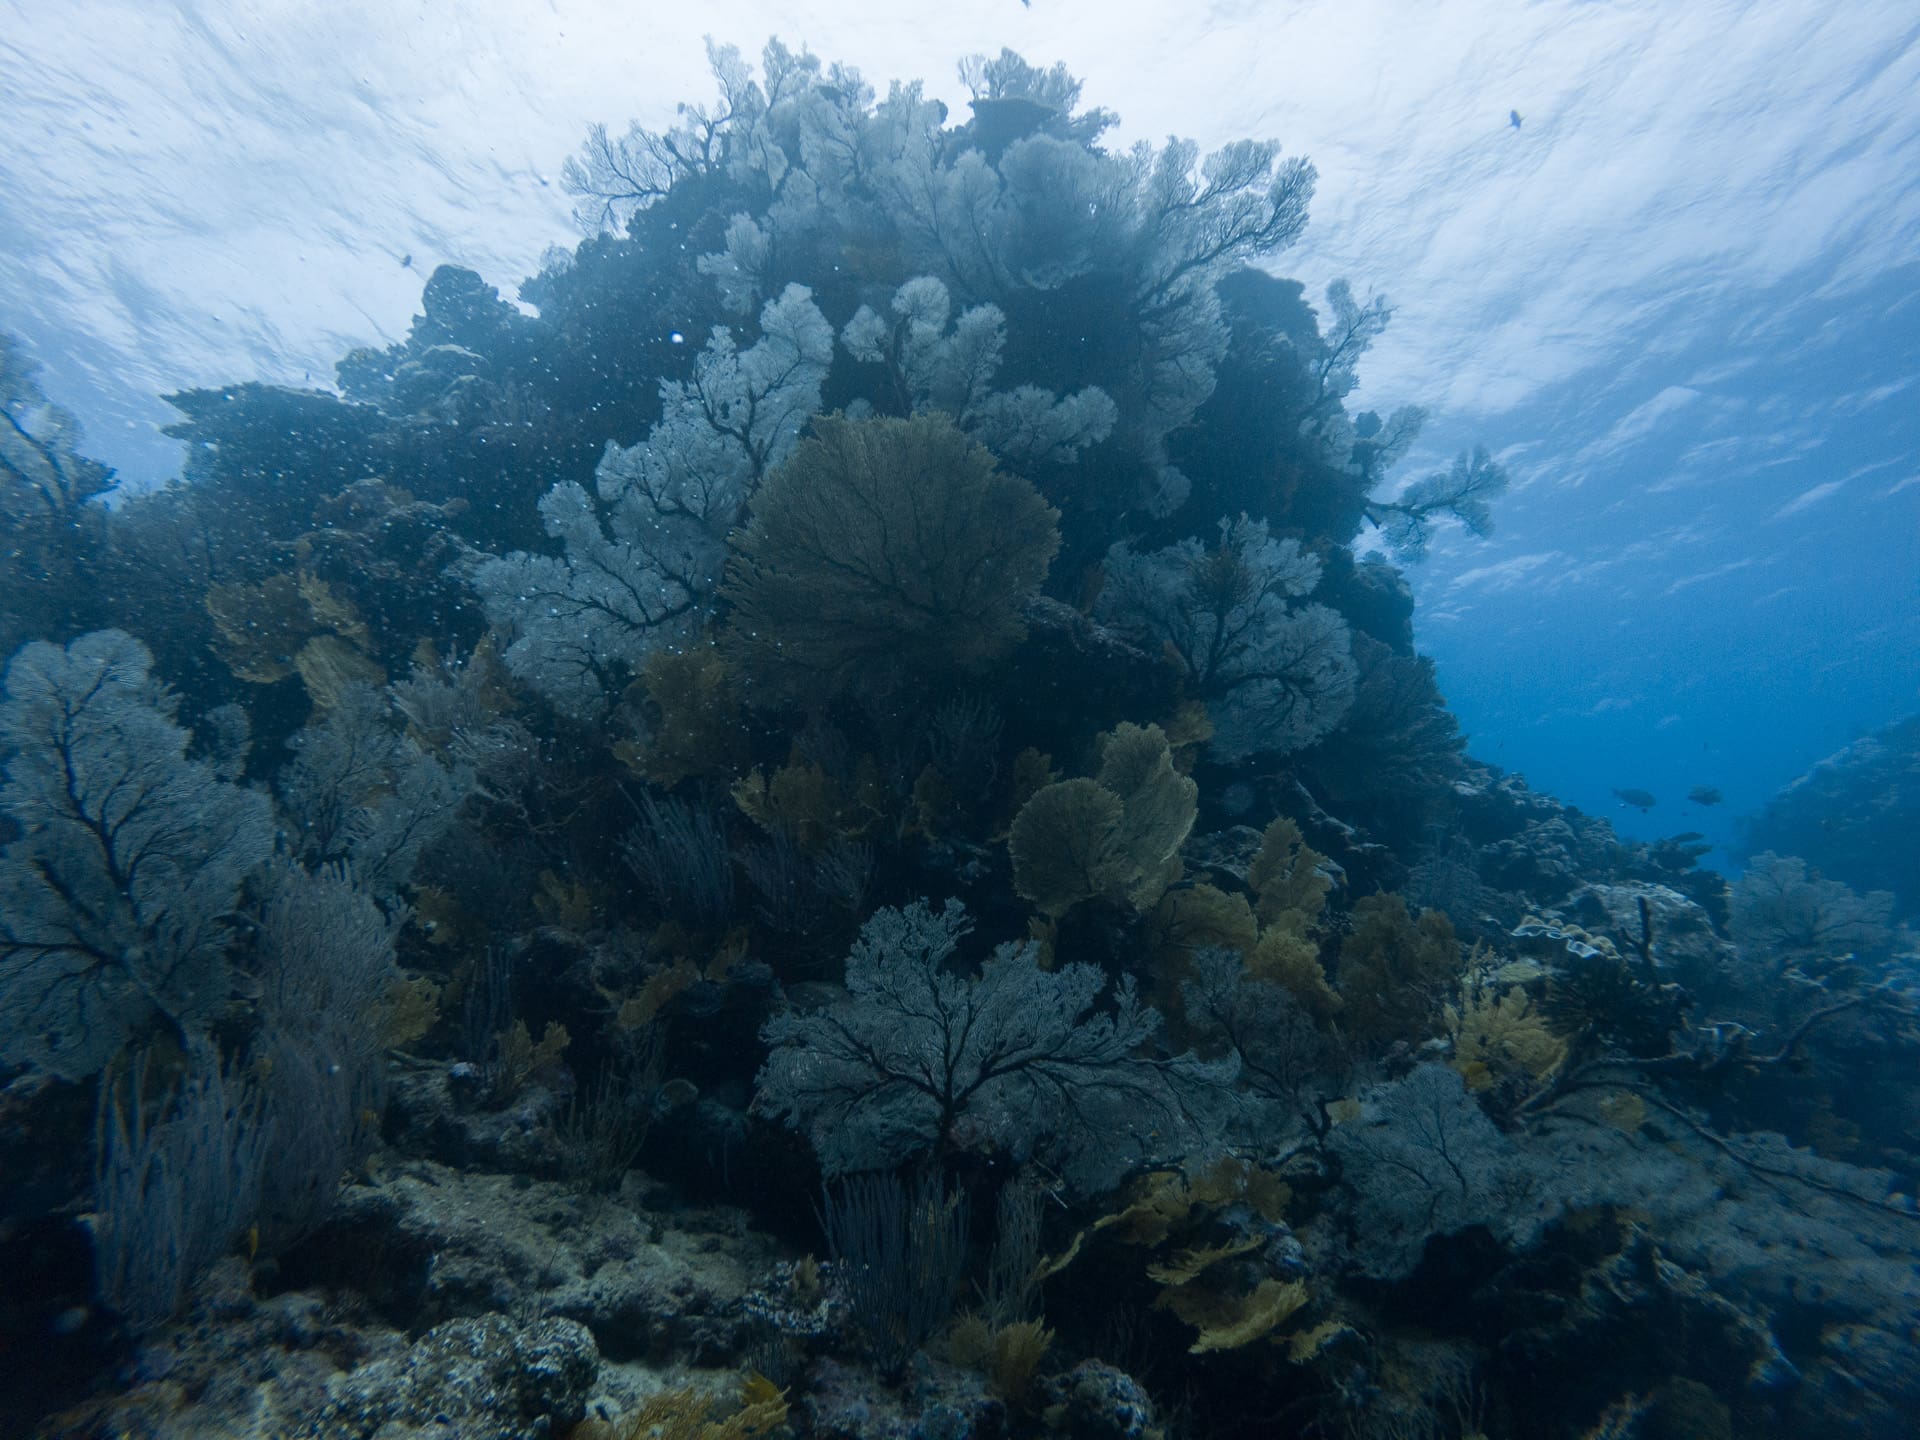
x,y
1513,118
1705,795
1638,799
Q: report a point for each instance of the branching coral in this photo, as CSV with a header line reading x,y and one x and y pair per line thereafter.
x,y
46,492
928,368
117,897
916,1056
1026,213
1276,674
1785,915
640,569
1462,492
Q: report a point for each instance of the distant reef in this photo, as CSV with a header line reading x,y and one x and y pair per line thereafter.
x,y
1854,815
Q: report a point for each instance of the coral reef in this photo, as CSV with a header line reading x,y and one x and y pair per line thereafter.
x,y
886,870
1849,816
884,548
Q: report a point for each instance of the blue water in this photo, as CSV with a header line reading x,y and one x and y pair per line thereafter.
x,y
1678,300
1718,587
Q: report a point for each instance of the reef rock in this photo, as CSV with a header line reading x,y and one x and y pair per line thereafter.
x,y
1684,944
480,1379
429,1244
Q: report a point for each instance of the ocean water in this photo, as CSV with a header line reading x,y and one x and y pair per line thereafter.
x,y
1358,806
1677,300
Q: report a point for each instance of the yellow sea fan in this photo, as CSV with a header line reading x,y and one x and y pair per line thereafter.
x,y
328,665
660,987
1228,1324
1160,1202
1066,845
693,706
1187,1266
1158,806
1292,961
1499,1034
1188,919
1286,875
1305,1344
412,1009
331,612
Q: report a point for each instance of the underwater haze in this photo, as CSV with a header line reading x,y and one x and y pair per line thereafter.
x,y
1678,299
1018,719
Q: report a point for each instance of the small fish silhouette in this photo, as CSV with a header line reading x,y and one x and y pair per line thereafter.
x,y
1513,118
1705,795
1638,799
